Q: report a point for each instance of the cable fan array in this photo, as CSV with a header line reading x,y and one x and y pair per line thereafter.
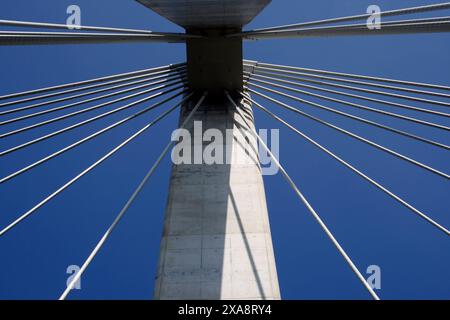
x,y
273,83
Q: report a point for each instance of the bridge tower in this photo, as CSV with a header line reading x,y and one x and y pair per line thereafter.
x,y
216,241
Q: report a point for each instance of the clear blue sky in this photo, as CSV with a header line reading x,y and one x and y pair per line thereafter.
x,y
413,256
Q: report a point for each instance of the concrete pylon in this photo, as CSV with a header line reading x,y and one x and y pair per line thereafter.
x,y
216,242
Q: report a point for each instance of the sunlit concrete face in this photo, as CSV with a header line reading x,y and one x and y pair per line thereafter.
x,y
216,242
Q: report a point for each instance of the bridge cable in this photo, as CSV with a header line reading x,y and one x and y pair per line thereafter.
x,y
45,122
90,168
355,136
145,81
68,128
79,83
93,86
352,168
277,78
296,26
91,136
309,207
350,116
378,92
127,205
351,75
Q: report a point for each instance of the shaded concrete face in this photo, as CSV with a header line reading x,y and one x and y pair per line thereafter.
x,y
215,63
216,241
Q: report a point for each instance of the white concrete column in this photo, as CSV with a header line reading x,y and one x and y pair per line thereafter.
x,y
216,242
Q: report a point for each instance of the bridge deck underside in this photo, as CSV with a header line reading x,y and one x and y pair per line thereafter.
x,y
207,13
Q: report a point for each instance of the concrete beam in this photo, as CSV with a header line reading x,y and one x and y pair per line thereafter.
x,y
215,63
207,13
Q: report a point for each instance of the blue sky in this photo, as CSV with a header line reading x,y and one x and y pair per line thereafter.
x,y
374,229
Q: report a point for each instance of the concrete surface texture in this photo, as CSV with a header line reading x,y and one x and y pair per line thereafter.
x,y
216,241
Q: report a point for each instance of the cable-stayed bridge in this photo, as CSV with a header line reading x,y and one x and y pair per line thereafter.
x,y
217,240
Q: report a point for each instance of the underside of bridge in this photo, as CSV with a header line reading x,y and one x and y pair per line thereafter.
x,y
214,62
216,241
